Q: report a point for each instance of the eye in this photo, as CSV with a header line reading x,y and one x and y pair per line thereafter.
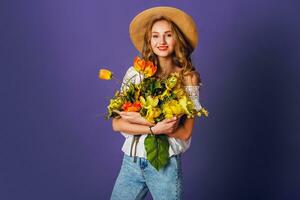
x,y
169,35
155,36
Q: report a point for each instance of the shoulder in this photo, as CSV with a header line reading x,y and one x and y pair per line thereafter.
x,y
191,78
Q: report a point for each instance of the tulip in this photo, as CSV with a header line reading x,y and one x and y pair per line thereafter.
x,y
105,74
132,107
144,67
150,69
139,64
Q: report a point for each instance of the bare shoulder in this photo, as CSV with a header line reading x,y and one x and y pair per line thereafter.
x,y
191,78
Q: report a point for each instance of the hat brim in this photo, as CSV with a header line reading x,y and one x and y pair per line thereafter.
x,y
185,23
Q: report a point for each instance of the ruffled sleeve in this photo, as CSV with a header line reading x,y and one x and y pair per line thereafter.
x,y
193,92
131,76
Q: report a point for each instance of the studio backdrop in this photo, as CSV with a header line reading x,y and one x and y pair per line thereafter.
x,y
56,144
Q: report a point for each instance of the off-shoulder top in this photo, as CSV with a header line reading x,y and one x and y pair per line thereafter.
x,y
176,145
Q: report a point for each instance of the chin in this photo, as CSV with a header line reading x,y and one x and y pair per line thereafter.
x,y
164,55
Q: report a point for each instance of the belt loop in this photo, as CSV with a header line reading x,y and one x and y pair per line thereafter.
x,y
134,140
132,145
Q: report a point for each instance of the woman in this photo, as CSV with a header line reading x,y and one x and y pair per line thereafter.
x,y
166,36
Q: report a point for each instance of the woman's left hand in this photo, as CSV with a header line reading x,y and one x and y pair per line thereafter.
x,y
176,125
134,117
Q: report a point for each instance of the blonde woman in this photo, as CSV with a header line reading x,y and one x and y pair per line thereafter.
x,y
166,36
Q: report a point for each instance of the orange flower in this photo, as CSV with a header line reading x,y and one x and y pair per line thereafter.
x,y
145,67
139,64
132,107
150,69
105,74
126,105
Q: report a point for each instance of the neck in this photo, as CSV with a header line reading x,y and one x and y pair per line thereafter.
x,y
166,65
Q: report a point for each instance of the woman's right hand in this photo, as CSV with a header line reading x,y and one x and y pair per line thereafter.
x,y
166,126
133,117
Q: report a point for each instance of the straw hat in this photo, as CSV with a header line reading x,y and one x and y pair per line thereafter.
x,y
137,28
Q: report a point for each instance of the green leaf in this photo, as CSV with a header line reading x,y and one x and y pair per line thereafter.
x,y
157,148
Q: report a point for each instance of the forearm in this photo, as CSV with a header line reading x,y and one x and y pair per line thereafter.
x,y
120,125
183,132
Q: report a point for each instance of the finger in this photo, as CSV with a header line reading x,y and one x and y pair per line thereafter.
x,y
116,111
125,113
180,116
176,121
176,126
150,124
132,113
173,120
173,124
170,120
125,117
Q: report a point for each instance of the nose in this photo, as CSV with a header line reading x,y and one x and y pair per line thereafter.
x,y
163,40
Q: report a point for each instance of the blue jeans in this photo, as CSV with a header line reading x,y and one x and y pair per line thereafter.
x,y
136,179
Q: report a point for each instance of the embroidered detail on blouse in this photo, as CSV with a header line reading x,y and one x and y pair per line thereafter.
x,y
193,92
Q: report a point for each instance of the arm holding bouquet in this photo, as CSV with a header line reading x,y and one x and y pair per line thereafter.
x,y
139,125
184,132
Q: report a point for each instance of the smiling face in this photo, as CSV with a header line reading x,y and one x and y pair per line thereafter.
x,y
162,39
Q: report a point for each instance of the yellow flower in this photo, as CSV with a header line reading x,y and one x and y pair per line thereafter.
x,y
172,81
165,94
172,108
152,114
186,105
149,102
105,74
204,111
179,92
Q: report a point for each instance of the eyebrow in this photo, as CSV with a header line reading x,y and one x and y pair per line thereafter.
x,y
158,32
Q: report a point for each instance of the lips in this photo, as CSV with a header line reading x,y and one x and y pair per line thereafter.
x,y
163,48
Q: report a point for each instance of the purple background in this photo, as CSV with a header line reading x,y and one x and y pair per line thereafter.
x,y
55,143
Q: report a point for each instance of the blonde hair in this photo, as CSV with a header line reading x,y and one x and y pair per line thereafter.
x,y
182,52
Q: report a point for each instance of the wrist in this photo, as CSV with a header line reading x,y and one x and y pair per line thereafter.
x,y
152,131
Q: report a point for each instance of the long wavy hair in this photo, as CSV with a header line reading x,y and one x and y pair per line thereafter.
x,y
182,51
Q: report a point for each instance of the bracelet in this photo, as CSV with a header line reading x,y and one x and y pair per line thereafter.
x,y
151,132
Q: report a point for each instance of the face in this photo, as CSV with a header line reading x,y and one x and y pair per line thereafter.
x,y
162,39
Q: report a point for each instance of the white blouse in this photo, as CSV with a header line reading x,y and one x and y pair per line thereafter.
x,y
176,145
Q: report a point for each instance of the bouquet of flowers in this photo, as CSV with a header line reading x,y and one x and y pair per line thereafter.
x,y
155,99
